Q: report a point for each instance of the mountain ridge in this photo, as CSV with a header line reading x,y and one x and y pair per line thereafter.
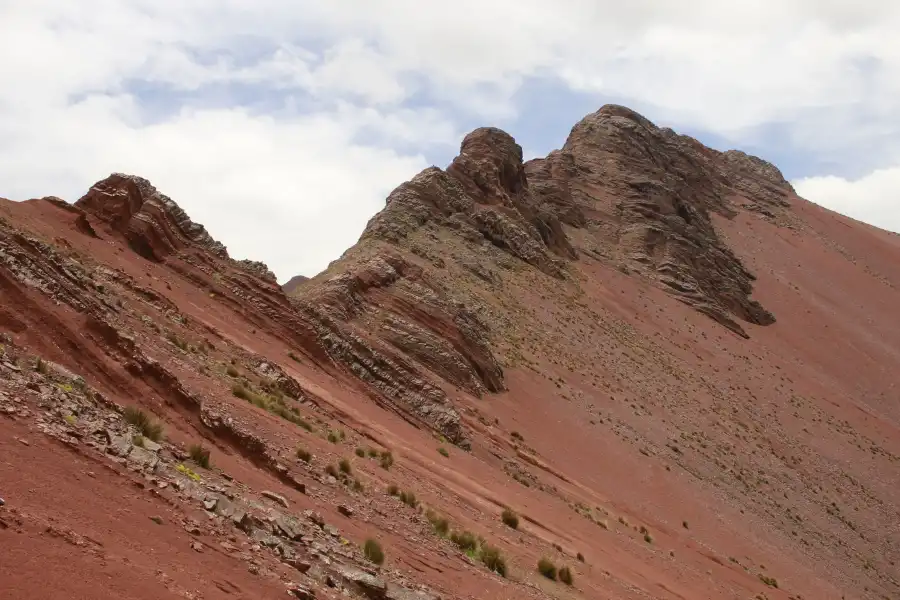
x,y
590,340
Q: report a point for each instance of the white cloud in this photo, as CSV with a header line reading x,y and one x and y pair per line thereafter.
x,y
874,198
309,112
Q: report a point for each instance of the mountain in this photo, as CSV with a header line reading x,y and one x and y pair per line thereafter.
x,y
638,358
293,283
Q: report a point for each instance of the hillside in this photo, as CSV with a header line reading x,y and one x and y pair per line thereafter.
x,y
677,373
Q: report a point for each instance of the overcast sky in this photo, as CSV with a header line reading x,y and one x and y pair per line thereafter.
x,y
281,125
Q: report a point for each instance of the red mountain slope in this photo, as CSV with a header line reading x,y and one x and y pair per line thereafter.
x,y
678,374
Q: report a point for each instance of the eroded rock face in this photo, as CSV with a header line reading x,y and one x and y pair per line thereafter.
x,y
647,195
154,225
387,322
483,195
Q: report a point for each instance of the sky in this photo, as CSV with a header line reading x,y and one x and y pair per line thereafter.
x,y
282,125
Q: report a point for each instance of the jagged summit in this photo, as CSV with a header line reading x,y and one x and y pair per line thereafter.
x,y
154,225
642,196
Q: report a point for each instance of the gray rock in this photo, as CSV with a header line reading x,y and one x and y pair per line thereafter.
x,y
398,592
151,446
301,565
210,504
289,527
275,498
301,592
119,445
142,458
285,551
264,538
345,510
371,586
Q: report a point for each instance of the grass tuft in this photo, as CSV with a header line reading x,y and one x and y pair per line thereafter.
x,y
373,552
510,518
547,568
200,455
143,423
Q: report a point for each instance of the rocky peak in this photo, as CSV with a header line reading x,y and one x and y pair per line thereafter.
x,y
154,225
293,283
650,194
483,197
489,167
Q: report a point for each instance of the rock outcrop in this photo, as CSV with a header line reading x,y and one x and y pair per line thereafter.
x,y
387,322
154,225
647,195
483,195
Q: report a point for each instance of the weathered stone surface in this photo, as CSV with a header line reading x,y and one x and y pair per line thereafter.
x,y
301,592
142,458
289,527
651,193
397,592
152,223
369,585
120,445
275,498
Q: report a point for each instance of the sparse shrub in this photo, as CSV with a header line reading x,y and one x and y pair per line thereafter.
x,y
372,550
393,490
345,466
41,367
180,343
358,486
138,440
232,372
464,540
684,524
493,560
333,437
70,420
409,498
565,575
510,518
387,460
293,357
648,538
373,453
547,568
143,423
444,452
580,557
440,524
333,471
360,453
199,455
304,455
769,581
517,436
